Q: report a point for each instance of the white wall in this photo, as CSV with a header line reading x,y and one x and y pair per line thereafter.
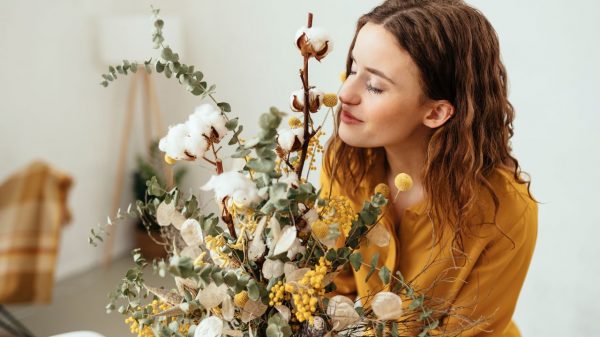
x,y
53,108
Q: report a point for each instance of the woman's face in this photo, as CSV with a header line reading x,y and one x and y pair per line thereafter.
x,y
382,92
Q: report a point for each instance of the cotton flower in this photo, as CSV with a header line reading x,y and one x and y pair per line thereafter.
x,y
315,97
173,143
207,120
387,305
209,327
290,139
191,232
238,187
313,42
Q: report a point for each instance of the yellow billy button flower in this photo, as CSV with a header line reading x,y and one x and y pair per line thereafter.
x,y
169,160
294,122
330,100
384,189
343,76
403,182
240,299
320,229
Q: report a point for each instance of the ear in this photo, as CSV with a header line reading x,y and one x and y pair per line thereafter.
x,y
438,114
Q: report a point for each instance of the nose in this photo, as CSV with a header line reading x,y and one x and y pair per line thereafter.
x,y
349,94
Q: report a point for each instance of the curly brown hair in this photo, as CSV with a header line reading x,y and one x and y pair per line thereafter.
x,y
457,52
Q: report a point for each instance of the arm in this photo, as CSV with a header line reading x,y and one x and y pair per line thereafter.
x,y
492,287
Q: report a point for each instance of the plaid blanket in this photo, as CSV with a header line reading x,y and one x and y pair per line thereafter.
x,y
32,212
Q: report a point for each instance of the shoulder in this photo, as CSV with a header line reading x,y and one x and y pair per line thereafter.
x,y
517,212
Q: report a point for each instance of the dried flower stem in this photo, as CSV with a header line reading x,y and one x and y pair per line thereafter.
x,y
307,135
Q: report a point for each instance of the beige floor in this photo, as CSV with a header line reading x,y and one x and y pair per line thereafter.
x,y
79,303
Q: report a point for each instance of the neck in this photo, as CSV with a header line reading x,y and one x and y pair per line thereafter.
x,y
407,157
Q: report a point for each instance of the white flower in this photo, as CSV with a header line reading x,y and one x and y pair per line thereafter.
x,y
179,144
257,247
173,143
191,232
314,42
342,313
209,327
311,216
191,251
167,214
290,140
212,295
379,235
275,232
195,145
207,119
387,305
296,248
286,240
272,268
285,312
228,309
253,309
235,185
315,97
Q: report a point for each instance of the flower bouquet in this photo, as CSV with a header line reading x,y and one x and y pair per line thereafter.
x,y
265,264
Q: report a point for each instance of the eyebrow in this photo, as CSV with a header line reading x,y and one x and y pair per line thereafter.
x,y
374,71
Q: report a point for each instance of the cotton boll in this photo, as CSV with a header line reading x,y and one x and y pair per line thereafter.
x,y
297,101
315,97
313,42
209,327
173,144
191,232
205,118
320,41
240,188
196,145
288,137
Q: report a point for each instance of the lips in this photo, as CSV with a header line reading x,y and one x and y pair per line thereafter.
x,y
347,115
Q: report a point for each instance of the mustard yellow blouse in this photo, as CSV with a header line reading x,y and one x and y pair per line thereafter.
x,y
484,284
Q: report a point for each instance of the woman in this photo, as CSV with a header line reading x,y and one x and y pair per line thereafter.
x,y
426,94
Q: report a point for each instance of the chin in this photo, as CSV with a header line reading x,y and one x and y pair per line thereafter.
x,y
352,137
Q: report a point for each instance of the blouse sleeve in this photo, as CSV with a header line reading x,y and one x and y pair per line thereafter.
x,y
492,288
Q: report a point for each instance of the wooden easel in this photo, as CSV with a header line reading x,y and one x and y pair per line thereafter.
x,y
152,126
